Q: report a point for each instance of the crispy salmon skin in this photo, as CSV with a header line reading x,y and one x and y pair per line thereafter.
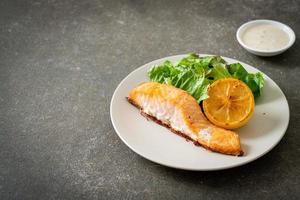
x,y
180,112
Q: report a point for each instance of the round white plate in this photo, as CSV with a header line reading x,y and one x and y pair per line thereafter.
x,y
158,144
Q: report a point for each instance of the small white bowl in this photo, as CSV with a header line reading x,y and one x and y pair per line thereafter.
x,y
259,52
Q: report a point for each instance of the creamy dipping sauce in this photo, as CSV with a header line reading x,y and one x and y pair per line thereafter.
x,y
265,37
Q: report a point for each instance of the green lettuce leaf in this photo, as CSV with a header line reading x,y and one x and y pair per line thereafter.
x,y
194,74
218,71
195,84
254,81
186,75
159,73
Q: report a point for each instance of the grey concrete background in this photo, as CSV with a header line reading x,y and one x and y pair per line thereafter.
x,y
60,62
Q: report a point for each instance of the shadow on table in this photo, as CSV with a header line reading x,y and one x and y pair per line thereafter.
x,y
260,170
289,58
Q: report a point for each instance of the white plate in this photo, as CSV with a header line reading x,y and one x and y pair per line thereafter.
x,y
158,144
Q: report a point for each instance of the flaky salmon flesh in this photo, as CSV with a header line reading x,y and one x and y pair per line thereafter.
x,y
179,111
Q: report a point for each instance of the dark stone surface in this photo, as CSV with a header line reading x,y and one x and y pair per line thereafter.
x,y
60,62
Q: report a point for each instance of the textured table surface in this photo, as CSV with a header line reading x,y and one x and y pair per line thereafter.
x,y
60,62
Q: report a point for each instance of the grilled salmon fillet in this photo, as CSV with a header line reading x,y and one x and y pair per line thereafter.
x,y
177,110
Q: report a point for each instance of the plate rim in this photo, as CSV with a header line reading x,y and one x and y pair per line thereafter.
x,y
192,168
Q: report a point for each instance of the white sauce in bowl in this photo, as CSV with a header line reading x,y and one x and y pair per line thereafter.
x,y
265,37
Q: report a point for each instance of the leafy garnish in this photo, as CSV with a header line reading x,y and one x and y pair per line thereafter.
x,y
194,74
254,81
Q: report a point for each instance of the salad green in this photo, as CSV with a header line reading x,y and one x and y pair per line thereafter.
x,y
194,74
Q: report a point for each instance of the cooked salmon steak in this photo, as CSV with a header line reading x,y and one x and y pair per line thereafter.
x,y
177,110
